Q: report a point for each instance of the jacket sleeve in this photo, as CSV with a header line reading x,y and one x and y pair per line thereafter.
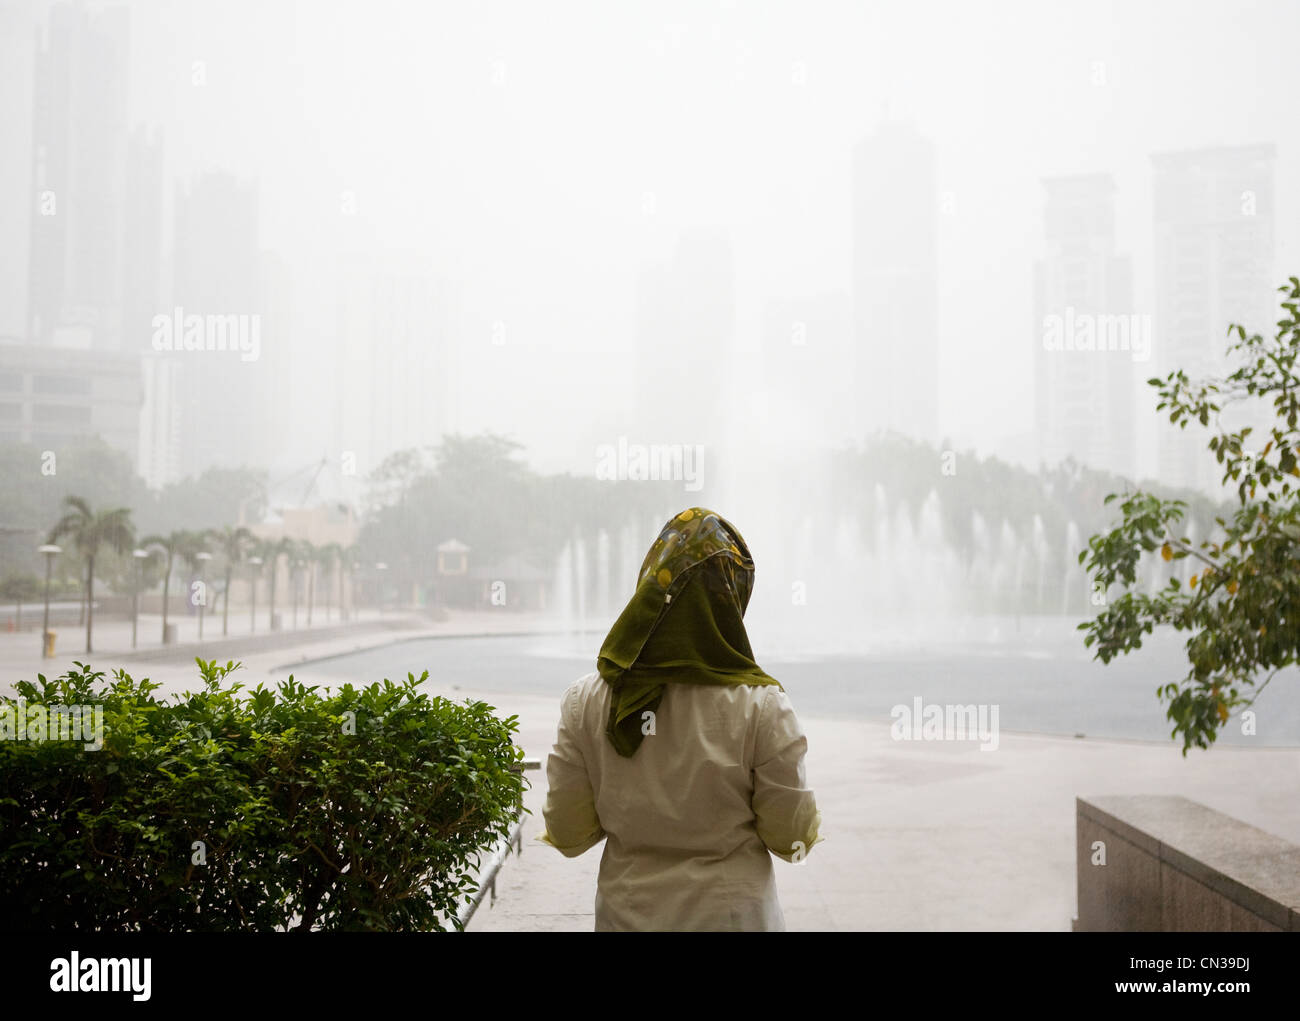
x,y
784,807
572,826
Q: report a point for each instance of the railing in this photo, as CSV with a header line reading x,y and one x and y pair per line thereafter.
x,y
487,879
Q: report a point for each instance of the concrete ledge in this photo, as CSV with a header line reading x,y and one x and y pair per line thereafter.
x,y
1173,865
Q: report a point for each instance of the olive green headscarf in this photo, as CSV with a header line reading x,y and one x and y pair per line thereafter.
x,y
684,625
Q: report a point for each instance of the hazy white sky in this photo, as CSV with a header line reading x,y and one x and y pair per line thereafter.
x,y
516,143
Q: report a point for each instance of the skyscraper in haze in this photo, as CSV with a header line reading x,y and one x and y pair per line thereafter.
x,y
224,397
895,296
79,171
93,205
398,385
142,237
686,318
807,342
19,46
1214,223
158,457
158,460
1090,344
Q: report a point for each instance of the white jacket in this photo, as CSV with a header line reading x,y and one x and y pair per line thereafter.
x,y
692,820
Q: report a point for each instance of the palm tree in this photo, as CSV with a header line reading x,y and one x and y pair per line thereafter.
x,y
331,555
319,556
310,560
173,545
235,544
270,550
91,530
255,564
348,560
301,554
192,551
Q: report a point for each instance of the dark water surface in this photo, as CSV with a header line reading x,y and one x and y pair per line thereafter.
x,y
1045,684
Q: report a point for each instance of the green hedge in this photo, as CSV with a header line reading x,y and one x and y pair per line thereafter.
x,y
362,809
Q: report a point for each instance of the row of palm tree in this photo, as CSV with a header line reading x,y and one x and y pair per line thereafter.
x,y
92,533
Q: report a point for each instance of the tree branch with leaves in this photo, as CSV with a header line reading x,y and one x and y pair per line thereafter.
x,y
1241,607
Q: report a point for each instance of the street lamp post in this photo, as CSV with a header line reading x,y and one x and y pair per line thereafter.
x,y
381,567
140,556
256,563
50,552
203,559
353,609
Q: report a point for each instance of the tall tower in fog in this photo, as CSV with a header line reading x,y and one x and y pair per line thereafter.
x,y
79,157
895,318
807,344
142,235
1090,344
1213,267
686,318
399,358
223,398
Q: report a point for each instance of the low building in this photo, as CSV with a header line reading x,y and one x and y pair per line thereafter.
x,y
53,396
513,584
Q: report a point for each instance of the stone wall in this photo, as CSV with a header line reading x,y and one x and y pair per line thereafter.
x,y
1173,865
